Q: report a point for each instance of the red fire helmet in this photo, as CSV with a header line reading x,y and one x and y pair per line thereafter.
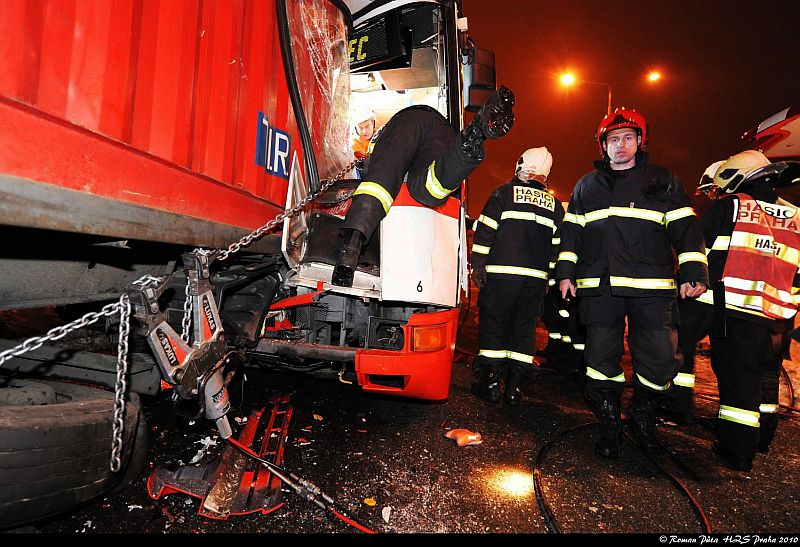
x,y
619,118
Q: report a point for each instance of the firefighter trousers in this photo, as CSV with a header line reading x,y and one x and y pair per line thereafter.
x,y
652,340
566,335
696,320
508,310
747,364
416,143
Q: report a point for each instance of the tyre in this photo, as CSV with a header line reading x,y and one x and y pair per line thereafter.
x,y
55,448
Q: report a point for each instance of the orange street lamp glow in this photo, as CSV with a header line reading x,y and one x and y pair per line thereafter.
x,y
567,79
654,76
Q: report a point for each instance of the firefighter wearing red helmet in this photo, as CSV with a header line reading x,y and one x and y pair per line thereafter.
x,y
623,221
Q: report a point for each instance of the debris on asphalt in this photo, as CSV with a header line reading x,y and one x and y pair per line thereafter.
x,y
207,443
370,501
464,437
386,512
132,507
318,417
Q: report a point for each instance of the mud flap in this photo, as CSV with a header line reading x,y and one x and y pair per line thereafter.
x,y
233,483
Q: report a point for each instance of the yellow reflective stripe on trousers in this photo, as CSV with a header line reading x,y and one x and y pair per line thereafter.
x,y
738,415
521,357
763,244
554,335
633,212
568,256
720,244
490,222
523,215
683,212
579,347
493,353
588,282
551,282
768,409
516,270
684,379
651,385
597,375
377,191
567,339
706,298
556,241
642,283
574,219
433,186
692,257
480,249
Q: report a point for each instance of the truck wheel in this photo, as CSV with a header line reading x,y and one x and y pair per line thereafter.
x,y
55,448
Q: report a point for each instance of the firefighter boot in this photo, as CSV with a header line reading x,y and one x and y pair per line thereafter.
x,y
487,386
610,439
766,431
644,423
517,377
493,121
347,256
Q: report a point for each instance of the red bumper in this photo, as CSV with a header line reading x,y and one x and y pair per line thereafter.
x,y
409,373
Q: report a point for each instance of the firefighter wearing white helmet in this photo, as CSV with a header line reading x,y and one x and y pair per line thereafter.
x,y
754,239
420,148
694,326
512,254
364,125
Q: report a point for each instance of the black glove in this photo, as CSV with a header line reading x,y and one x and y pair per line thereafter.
x,y
479,276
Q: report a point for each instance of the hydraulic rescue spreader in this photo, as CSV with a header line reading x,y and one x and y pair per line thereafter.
x,y
199,370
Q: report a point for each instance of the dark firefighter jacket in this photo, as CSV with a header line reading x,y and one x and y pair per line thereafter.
x,y
516,234
623,225
718,225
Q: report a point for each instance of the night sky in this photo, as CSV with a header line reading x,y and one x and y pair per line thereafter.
x,y
726,66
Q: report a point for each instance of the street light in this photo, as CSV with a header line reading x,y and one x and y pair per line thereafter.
x,y
568,79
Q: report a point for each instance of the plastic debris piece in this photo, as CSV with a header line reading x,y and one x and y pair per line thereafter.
x,y
206,442
386,513
132,507
370,501
464,437
318,417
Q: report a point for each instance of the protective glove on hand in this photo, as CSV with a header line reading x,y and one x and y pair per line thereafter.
x,y
479,276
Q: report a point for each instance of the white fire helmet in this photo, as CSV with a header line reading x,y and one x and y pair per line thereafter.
x,y
737,169
532,162
707,179
360,114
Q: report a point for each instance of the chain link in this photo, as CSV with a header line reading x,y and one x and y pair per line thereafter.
x,y
258,232
121,385
187,314
59,332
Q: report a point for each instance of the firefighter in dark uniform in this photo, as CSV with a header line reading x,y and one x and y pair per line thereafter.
x,y
617,240
512,250
753,266
695,325
417,145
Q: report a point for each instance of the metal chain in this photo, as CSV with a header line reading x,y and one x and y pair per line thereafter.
x,y
258,232
59,332
121,385
187,314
